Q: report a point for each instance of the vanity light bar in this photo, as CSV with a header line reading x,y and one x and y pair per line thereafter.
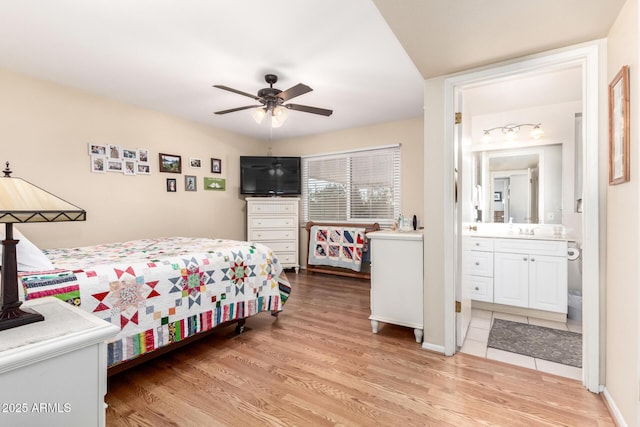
x,y
510,131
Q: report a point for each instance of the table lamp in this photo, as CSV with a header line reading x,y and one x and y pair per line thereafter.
x,y
21,201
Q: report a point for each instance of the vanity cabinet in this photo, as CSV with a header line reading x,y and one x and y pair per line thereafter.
x,y
273,221
527,273
531,274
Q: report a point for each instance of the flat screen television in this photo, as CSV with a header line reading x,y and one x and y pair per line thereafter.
x,y
270,176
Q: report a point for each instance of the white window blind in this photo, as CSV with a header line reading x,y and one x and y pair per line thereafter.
x,y
356,186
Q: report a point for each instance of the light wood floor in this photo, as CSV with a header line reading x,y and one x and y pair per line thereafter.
x,y
319,364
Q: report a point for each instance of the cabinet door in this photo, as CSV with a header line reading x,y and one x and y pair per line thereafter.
x,y
511,279
548,283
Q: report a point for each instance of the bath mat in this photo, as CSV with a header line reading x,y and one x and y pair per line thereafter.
x,y
537,341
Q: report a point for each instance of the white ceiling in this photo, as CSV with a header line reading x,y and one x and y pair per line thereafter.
x,y
166,55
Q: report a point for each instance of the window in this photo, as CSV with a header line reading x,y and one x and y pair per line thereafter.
x,y
357,186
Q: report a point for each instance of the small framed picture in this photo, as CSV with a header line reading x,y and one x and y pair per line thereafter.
x,y
216,166
170,163
190,183
143,155
497,196
619,159
114,152
129,167
128,154
98,164
144,169
195,163
97,149
171,185
214,184
114,165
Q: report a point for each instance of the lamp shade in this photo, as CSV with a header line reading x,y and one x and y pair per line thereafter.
x,y
21,201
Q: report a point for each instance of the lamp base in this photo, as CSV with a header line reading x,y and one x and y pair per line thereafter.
x,y
16,316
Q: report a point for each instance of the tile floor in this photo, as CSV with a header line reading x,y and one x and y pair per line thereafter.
x,y
478,335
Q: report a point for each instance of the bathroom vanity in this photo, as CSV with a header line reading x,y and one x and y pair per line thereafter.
x,y
517,274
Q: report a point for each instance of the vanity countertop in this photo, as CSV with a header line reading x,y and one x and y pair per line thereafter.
x,y
517,235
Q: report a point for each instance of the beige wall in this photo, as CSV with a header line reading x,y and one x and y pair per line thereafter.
x,y
408,133
622,278
45,132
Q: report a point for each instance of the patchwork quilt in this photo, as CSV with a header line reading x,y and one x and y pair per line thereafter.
x,y
159,291
338,246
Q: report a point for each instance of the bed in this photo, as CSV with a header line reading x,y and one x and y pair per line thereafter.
x,y
162,292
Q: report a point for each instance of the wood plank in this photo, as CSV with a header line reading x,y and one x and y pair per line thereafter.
x,y
319,364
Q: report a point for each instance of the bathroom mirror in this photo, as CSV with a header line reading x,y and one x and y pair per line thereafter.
x,y
524,184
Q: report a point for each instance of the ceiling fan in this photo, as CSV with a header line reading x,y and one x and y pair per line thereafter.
x,y
272,101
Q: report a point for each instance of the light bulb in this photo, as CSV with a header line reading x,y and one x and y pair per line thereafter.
x,y
279,116
536,132
258,114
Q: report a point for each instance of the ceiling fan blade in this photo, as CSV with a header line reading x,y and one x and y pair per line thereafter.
x,y
246,107
307,109
239,92
294,91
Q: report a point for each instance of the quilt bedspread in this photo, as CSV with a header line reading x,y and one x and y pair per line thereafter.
x,y
160,291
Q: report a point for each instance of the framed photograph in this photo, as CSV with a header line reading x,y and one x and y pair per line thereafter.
x,y
171,185
98,164
190,183
97,149
129,167
619,127
129,154
114,165
497,196
143,155
195,163
214,184
216,166
170,163
143,169
114,152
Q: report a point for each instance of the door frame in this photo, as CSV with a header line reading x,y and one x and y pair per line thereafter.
x,y
588,56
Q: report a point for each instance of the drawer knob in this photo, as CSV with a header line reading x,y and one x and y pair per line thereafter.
x,y
477,244
477,263
533,259
524,258
477,288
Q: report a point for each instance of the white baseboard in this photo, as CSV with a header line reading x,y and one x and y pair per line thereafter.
x,y
433,347
617,415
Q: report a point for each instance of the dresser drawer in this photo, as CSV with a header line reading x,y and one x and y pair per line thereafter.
x,y
481,288
266,222
280,246
481,263
274,208
269,234
287,259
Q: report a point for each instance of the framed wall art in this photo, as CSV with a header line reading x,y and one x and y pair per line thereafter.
x,y
216,166
170,163
171,185
214,184
190,183
619,127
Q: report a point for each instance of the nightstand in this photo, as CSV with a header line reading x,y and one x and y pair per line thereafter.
x,y
54,372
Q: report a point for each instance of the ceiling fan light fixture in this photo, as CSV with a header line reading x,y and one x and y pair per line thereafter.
x,y
278,116
258,114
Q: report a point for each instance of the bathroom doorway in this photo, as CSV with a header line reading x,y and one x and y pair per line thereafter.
x,y
585,59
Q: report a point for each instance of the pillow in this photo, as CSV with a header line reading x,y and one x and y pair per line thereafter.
x,y
30,258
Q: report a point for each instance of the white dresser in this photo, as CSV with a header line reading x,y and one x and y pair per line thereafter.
x,y
54,372
397,279
273,221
